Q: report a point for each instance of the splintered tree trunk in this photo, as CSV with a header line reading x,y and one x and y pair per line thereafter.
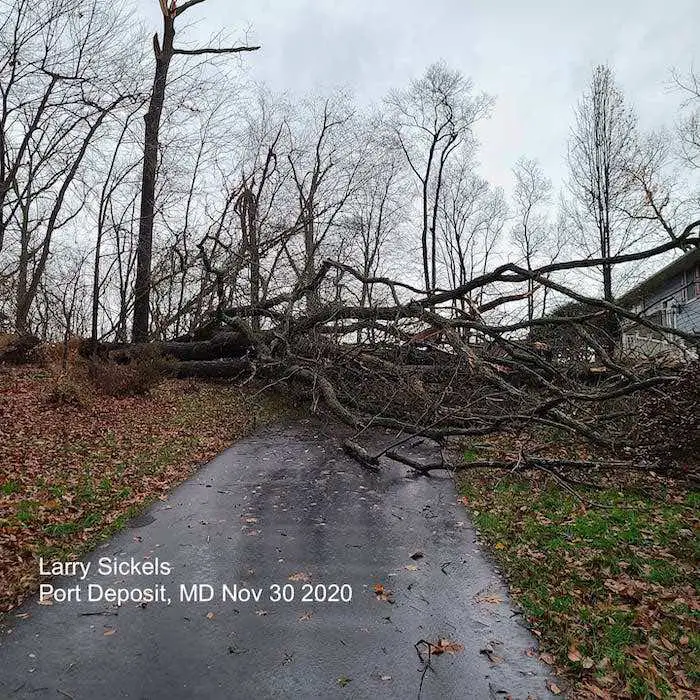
x,y
254,273
247,209
152,118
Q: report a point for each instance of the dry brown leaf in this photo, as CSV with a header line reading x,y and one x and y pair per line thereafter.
x,y
445,646
597,691
300,576
574,655
491,598
382,593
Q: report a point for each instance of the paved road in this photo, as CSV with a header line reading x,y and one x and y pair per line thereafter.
x,y
277,508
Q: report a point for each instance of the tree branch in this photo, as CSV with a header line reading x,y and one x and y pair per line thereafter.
x,y
209,50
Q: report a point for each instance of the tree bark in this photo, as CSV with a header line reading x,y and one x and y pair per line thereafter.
x,y
152,119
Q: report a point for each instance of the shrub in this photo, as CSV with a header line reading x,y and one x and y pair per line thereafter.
x,y
67,390
52,355
145,369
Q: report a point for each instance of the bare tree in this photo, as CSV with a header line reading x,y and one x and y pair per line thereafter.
x,y
373,219
602,159
119,171
430,121
533,234
65,73
689,123
471,217
324,170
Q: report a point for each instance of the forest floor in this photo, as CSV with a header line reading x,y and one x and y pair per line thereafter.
x,y
607,576
75,464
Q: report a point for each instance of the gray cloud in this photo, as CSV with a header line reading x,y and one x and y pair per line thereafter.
x,y
535,57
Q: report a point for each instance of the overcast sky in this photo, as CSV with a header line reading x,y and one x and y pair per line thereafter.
x,y
534,56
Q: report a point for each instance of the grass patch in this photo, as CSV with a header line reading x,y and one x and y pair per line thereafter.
x,y
72,475
610,590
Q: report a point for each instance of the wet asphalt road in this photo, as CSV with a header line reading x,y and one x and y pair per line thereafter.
x,y
281,507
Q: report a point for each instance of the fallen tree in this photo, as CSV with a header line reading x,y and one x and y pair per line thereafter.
x,y
439,365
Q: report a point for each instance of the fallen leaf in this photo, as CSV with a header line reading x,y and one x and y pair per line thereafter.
x,y
574,655
210,616
556,690
343,681
382,593
499,545
547,658
587,662
598,692
667,645
305,616
411,567
300,576
492,598
445,646
109,632
385,678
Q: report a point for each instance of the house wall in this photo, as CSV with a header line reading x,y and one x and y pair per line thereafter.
x,y
680,312
688,318
670,304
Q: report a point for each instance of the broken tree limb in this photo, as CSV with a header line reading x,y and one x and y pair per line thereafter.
x,y
360,454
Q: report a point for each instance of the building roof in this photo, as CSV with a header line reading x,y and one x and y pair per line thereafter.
x,y
652,283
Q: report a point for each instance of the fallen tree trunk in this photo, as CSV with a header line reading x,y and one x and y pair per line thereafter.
x,y
20,351
221,345
213,369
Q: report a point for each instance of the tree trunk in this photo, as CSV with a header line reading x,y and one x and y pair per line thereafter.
x,y
214,369
152,118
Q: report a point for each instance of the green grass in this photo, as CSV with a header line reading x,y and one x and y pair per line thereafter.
x,y
91,485
614,585
10,487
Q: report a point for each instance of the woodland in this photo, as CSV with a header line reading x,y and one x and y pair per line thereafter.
x,y
170,217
